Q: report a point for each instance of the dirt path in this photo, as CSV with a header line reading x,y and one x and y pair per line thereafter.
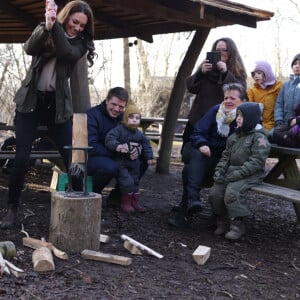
x,y
265,265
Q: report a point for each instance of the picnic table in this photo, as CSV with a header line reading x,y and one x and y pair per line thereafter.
x,y
283,179
35,154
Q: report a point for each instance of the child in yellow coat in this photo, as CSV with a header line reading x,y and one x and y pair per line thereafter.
x,y
265,91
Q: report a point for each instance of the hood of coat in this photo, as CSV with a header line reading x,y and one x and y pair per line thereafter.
x,y
251,113
265,67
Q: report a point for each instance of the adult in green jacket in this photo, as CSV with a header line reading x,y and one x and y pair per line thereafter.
x,y
44,97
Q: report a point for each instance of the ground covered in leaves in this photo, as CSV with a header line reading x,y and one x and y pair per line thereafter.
x,y
264,265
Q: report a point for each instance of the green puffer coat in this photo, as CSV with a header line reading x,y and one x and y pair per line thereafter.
x,y
245,156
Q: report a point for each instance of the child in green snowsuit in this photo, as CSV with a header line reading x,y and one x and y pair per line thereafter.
x,y
241,167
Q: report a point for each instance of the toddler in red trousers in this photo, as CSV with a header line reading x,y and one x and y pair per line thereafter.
x,y
129,145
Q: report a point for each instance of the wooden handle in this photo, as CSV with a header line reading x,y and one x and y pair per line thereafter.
x,y
79,137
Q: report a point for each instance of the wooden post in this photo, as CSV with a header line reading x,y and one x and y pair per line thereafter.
x,y
75,222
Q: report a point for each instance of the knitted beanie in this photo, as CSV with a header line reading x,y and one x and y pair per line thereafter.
x,y
267,69
251,115
131,108
297,57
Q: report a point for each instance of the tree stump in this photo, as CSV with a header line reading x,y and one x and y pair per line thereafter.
x,y
75,222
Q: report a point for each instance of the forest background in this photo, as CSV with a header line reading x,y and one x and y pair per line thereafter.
x,y
148,70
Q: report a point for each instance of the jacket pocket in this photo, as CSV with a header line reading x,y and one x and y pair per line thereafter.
x,y
22,92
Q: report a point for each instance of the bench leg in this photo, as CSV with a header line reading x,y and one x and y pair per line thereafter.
x,y
297,211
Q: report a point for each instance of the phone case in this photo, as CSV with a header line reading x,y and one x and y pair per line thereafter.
x,y
213,57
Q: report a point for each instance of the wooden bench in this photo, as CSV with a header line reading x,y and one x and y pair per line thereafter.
x,y
34,154
40,154
283,180
154,136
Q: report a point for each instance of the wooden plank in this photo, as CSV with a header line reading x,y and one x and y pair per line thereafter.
x,y
278,191
104,257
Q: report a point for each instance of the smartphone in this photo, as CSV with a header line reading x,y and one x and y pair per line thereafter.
x,y
213,57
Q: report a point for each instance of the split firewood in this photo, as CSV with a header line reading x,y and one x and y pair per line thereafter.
x,y
42,260
8,249
201,254
104,238
141,246
104,257
131,248
17,272
9,268
3,266
36,243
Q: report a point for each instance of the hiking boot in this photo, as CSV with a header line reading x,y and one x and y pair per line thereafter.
x,y
179,220
114,198
135,203
222,225
237,229
194,207
126,203
10,219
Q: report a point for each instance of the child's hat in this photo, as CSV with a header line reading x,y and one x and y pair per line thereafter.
x,y
131,108
265,67
251,115
296,57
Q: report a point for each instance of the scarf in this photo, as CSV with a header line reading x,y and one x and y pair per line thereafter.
x,y
224,119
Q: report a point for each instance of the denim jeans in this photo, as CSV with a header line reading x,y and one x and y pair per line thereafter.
x,y
197,169
26,133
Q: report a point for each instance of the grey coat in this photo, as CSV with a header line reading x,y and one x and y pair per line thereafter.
x,y
67,53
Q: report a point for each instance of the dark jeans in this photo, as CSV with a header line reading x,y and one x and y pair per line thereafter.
x,y
26,133
103,169
197,169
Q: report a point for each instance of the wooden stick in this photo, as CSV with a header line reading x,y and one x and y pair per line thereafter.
x,y
141,246
110,258
3,266
35,244
17,272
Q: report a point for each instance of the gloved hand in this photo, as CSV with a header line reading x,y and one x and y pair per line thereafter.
x,y
219,176
233,176
50,14
278,123
135,150
123,148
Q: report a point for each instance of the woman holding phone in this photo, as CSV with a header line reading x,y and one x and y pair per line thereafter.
x,y
44,96
208,80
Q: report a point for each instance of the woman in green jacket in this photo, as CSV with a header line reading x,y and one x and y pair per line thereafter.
x,y
44,97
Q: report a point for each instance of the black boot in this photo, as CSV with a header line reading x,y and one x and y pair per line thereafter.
x,y
114,197
180,220
194,207
10,219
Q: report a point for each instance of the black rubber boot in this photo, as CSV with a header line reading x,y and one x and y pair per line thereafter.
x,y
114,197
180,220
10,219
194,207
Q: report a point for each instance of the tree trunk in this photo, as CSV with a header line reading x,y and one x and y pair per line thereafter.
x,y
166,141
75,222
126,65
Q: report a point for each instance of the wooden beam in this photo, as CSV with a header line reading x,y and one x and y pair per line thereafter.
x,y
16,13
185,70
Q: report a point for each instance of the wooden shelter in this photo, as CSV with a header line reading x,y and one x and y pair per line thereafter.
x,y
141,19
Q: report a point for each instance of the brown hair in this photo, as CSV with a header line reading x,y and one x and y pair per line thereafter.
x,y
235,63
88,32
